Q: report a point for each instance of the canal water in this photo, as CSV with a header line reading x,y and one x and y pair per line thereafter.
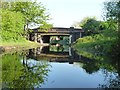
x,y
57,66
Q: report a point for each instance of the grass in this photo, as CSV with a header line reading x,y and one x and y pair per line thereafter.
x,y
18,45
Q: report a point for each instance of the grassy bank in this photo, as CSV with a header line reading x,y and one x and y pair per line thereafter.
x,y
18,45
97,46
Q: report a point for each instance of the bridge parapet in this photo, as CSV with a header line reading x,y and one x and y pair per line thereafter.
x,y
71,29
59,29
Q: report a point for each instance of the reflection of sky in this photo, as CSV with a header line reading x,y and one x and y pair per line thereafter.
x,y
65,75
65,12
32,62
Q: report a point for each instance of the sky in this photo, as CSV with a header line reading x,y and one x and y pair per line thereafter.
x,y
64,13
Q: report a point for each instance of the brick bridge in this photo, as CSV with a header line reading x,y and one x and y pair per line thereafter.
x,y
44,37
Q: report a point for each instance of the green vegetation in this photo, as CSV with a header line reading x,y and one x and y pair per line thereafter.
x,y
19,72
15,18
112,12
63,40
99,44
12,26
32,11
91,25
103,47
106,42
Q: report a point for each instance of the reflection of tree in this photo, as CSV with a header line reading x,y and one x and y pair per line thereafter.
x,y
25,74
115,83
57,48
110,67
91,67
60,48
114,80
11,68
35,73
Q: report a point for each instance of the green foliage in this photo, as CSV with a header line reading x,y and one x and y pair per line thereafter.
x,y
100,44
112,9
11,67
17,15
112,12
83,22
91,25
12,26
45,27
17,72
32,11
102,49
63,40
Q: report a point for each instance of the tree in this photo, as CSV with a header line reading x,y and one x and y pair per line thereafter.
x,y
32,11
17,16
112,12
82,22
90,25
12,26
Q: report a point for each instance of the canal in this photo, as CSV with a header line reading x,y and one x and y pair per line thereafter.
x,y
57,66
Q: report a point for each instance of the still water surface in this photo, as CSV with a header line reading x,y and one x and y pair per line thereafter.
x,y
57,67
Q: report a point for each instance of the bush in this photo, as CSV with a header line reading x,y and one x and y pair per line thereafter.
x,y
100,44
12,26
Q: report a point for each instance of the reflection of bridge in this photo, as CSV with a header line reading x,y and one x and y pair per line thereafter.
x,y
44,53
44,37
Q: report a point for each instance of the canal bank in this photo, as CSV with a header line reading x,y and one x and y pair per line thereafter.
x,y
16,46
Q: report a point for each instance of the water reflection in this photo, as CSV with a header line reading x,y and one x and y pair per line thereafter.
x,y
20,72
114,68
52,67
52,54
